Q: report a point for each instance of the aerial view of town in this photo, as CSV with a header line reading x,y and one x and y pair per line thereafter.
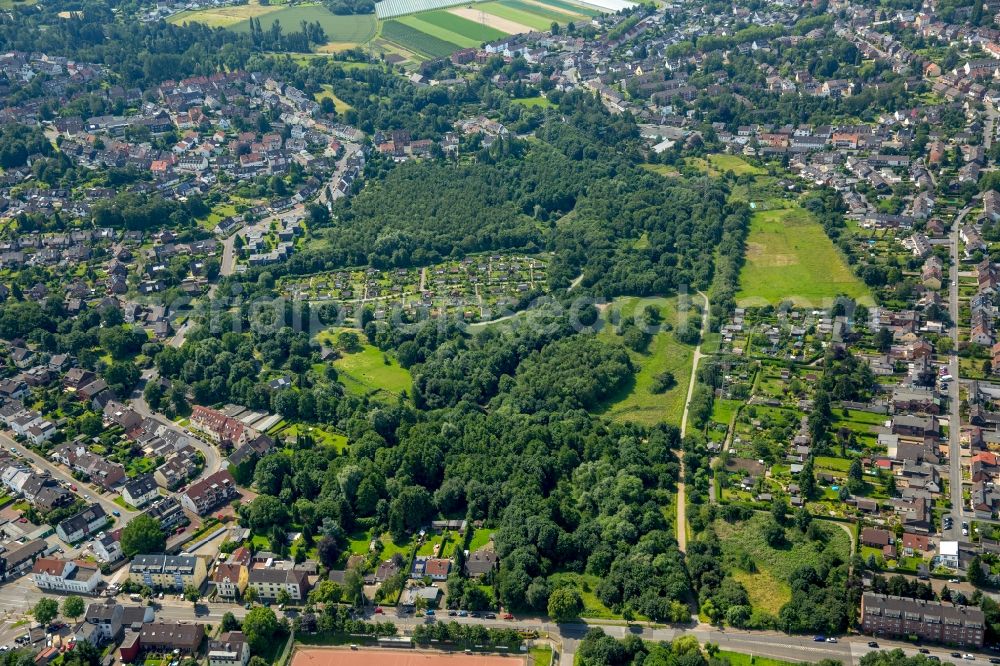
x,y
499,332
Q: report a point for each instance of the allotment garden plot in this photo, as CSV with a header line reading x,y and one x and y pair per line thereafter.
x,y
478,288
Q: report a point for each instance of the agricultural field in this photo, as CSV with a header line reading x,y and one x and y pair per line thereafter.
x,y
768,584
341,31
636,401
438,32
790,258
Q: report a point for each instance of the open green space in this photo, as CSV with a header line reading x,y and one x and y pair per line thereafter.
x,y
664,170
371,371
416,41
339,29
339,105
723,163
738,659
768,584
790,258
541,102
636,401
530,19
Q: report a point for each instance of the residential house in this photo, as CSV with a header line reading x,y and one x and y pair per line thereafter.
x,y
209,493
57,575
83,524
172,572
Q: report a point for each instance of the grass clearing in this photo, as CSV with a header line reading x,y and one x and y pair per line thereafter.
x,y
371,371
780,563
789,257
665,170
570,7
722,162
540,102
339,105
636,401
765,591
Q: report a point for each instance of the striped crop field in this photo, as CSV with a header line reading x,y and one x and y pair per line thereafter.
x,y
519,16
457,25
417,41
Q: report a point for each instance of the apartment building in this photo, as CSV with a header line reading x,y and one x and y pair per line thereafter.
x,y
167,571
210,493
889,615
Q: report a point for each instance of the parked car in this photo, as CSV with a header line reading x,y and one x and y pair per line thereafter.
x,y
508,616
924,651
491,616
872,644
831,639
819,639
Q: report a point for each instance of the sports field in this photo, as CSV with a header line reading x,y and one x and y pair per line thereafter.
x,y
789,257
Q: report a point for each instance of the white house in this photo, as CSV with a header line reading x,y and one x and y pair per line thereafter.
x,y
948,553
229,649
107,549
141,490
57,575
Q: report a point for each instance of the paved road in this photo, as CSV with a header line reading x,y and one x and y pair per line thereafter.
x,y
954,417
60,473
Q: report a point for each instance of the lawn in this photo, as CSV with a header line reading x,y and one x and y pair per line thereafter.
x,y
541,102
358,542
768,585
480,538
541,655
789,257
533,20
342,30
225,17
636,401
368,372
737,659
416,41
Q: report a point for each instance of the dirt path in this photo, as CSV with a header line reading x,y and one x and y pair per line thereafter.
x,y
681,490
